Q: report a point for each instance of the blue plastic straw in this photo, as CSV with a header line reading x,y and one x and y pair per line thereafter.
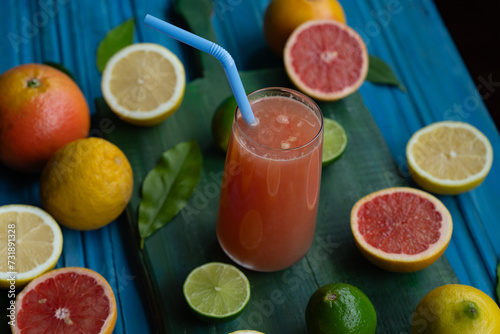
x,y
212,49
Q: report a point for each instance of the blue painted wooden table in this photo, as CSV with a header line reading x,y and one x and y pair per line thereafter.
x,y
407,34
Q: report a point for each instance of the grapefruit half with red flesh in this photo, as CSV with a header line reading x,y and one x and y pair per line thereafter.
x,y
67,300
401,229
325,59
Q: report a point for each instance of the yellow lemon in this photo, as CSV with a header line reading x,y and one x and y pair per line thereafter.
x,y
86,184
31,241
449,157
144,83
456,308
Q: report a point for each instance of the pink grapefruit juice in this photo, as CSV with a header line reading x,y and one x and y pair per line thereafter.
x,y
270,190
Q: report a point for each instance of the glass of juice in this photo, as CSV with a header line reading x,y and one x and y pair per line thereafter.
x,y
270,188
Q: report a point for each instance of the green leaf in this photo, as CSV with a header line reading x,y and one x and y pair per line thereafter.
x,y
60,68
168,187
380,72
115,40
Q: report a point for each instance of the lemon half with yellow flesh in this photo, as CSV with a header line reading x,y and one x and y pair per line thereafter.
x,y
31,241
144,83
449,157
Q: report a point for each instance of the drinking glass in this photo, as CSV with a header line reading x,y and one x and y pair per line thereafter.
x,y
270,188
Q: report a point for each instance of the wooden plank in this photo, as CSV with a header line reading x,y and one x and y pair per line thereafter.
x,y
189,240
412,38
415,43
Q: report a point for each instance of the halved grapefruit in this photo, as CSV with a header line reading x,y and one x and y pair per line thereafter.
x,y
67,300
401,229
326,59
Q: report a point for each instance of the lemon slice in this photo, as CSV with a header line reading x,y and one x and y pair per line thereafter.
x,y
30,241
144,83
449,157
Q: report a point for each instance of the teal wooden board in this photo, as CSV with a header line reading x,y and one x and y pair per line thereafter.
x,y
414,42
189,240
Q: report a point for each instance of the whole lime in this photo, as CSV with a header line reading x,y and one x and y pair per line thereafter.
x,y
340,308
456,308
222,122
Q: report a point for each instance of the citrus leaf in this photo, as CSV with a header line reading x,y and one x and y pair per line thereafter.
x,y
60,68
380,72
168,187
115,40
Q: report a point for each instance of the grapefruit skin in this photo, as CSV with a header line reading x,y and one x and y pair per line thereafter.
x,y
283,16
403,262
37,118
326,60
41,301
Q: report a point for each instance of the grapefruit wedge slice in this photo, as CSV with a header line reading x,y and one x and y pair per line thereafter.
x,y
67,300
325,59
401,229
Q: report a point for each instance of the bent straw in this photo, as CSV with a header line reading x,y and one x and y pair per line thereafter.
x,y
212,49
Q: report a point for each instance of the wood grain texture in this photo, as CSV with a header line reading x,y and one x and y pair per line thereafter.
x,y
278,299
414,42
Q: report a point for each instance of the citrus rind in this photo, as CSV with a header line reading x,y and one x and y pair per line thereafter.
x,y
22,278
338,308
161,111
87,184
456,308
212,317
334,134
448,186
318,94
109,323
283,16
403,262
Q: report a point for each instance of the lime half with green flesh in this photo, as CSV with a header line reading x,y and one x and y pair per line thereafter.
x,y
334,141
217,292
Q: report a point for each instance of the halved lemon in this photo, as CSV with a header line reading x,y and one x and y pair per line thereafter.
x,y
449,157
144,83
30,241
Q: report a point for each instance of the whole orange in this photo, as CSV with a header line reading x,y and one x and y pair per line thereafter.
x,y
283,16
41,110
86,184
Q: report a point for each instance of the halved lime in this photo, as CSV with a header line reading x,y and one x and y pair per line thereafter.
x,y
334,142
217,292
